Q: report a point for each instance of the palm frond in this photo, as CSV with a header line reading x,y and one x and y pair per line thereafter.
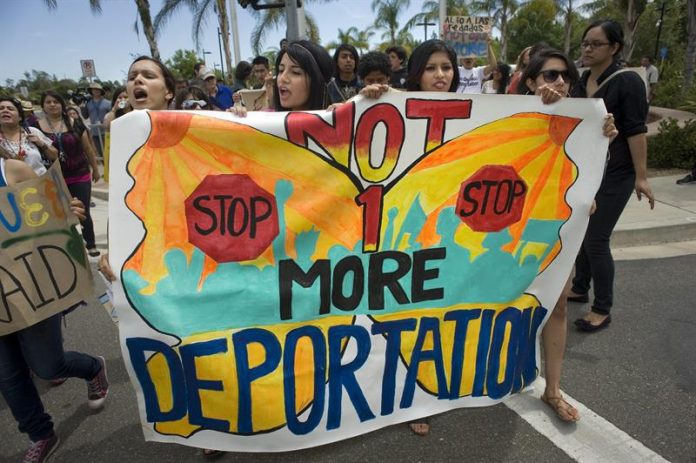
x,y
169,8
95,6
200,21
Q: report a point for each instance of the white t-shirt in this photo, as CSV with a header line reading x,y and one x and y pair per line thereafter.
x,y
32,155
488,87
470,80
653,74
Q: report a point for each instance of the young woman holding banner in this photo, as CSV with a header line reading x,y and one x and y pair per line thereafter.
x,y
550,76
39,348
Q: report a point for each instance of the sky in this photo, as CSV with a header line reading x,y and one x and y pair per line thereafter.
x,y
55,41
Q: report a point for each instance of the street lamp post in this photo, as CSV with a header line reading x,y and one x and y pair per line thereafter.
x,y
220,47
659,30
206,53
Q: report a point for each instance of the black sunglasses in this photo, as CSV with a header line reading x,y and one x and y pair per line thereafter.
x,y
551,75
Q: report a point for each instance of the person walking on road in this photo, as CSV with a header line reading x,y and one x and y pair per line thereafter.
x,y
623,93
39,348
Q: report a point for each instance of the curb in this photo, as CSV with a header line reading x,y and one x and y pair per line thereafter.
x,y
100,193
673,233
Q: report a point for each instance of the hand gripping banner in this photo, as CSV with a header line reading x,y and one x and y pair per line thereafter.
x,y
293,279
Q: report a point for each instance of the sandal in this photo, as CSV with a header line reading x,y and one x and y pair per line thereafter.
x,y
211,453
420,427
564,411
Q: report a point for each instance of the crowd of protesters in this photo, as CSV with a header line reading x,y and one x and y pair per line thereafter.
x,y
306,77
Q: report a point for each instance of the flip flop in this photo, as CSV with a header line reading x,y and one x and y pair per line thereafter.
x,y
561,408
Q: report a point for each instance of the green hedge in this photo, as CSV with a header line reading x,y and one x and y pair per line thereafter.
x,y
673,146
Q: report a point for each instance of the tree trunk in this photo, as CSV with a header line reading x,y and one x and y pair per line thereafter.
x,y
503,37
225,30
690,43
149,31
568,27
630,26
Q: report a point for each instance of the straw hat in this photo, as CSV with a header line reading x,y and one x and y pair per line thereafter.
x,y
96,86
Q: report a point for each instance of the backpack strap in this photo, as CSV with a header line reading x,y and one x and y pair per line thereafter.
x,y
616,73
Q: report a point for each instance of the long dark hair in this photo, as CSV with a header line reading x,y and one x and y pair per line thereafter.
x,y
536,63
114,98
169,80
504,70
612,30
419,59
15,102
349,48
63,111
317,63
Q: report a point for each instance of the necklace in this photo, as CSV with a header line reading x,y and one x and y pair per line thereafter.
x,y
55,130
59,137
20,154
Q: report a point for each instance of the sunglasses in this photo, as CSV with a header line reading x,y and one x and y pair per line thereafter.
x,y
551,75
188,104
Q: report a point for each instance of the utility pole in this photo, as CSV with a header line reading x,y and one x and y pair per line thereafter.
x,y
295,20
222,60
235,32
659,30
443,15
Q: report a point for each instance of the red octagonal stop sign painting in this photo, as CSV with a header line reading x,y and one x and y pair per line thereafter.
x,y
491,199
231,218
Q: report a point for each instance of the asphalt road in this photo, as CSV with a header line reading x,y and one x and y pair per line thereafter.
x,y
639,374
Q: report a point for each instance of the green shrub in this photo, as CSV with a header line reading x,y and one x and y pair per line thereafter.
x,y
673,146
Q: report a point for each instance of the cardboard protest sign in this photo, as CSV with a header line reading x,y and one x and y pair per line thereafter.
x,y
254,100
43,264
293,279
467,35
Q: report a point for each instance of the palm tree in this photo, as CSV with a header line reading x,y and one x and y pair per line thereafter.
x,y
143,7
501,11
201,9
431,12
274,18
565,8
387,12
352,36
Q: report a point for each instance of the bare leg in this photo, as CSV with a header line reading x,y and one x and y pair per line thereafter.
x,y
554,340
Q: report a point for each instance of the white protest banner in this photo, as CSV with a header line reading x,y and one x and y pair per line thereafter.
x,y
293,279
43,263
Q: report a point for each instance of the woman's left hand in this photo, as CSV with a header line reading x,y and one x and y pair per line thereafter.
x,y
642,188
95,175
609,129
78,208
548,94
238,110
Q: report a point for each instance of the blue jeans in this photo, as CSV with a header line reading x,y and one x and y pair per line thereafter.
x,y
39,348
595,262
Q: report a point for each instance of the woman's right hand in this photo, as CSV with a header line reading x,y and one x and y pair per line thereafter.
x,y
548,94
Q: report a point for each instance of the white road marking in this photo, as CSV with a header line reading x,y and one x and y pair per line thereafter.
x,y
592,439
